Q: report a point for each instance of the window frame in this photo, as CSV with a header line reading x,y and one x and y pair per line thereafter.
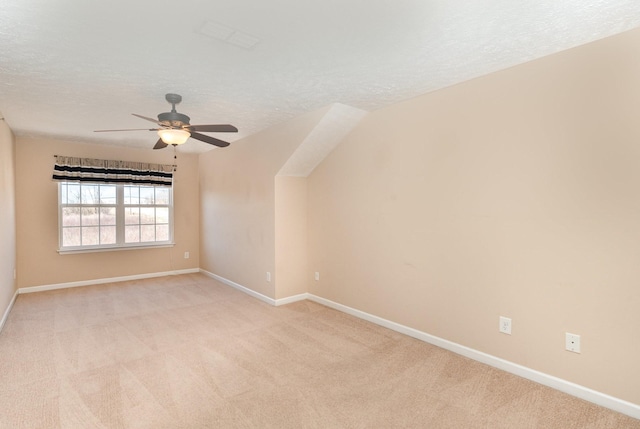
x,y
120,223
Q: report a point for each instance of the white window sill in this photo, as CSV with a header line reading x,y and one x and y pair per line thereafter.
x,y
70,251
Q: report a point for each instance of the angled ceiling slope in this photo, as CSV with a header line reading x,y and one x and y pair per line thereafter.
x,y
323,138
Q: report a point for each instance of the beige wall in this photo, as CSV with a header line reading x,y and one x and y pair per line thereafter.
x,y
238,208
7,217
292,272
515,194
37,217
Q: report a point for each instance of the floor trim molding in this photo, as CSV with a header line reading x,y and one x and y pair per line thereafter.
x,y
253,293
292,299
8,310
238,286
607,401
42,288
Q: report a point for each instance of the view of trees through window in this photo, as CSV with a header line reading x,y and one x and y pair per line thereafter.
x,y
97,215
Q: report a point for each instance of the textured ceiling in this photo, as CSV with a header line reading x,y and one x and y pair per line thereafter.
x,y
68,67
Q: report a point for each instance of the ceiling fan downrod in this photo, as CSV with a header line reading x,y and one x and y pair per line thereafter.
x,y
173,99
173,118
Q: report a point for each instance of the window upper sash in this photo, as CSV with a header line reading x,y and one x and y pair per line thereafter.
x,y
73,169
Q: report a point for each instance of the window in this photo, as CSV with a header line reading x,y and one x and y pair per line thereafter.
x,y
99,216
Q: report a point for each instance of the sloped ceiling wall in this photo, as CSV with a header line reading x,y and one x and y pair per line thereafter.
x,y
337,122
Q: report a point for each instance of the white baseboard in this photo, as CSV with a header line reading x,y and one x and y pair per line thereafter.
x,y
8,310
42,288
292,299
241,288
253,293
619,405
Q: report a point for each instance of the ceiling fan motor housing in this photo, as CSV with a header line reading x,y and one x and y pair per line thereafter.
x,y
173,119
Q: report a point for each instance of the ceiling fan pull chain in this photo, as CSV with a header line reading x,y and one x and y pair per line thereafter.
x,y
175,158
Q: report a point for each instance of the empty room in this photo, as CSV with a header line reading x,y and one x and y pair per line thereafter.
x,y
420,214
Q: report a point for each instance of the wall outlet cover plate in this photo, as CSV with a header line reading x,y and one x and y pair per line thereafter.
x,y
572,342
505,325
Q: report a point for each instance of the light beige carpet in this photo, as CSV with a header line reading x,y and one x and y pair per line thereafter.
x,y
188,352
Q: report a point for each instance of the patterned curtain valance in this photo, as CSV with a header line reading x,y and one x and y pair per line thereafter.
x,y
71,169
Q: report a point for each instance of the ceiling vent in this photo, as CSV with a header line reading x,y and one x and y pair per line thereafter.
x,y
229,35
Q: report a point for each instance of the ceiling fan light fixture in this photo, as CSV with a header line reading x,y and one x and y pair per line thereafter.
x,y
174,136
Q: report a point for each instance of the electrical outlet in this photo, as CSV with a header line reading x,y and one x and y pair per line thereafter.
x,y
505,325
317,276
572,342
268,276
186,255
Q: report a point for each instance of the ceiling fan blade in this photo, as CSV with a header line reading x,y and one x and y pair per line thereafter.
x,y
208,139
219,128
160,144
155,121
130,129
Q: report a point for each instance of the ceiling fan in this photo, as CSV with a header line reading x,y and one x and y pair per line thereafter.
x,y
174,128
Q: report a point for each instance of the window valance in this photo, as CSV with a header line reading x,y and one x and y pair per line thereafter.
x,y
72,169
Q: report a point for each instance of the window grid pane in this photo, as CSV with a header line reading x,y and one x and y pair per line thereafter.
x,y
162,232
132,216
108,194
162,215
71,236
90,235
147,233
132,234
71,216
90,216
73,194
89,194
108,216
108,235
147,215
147,195
162,196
